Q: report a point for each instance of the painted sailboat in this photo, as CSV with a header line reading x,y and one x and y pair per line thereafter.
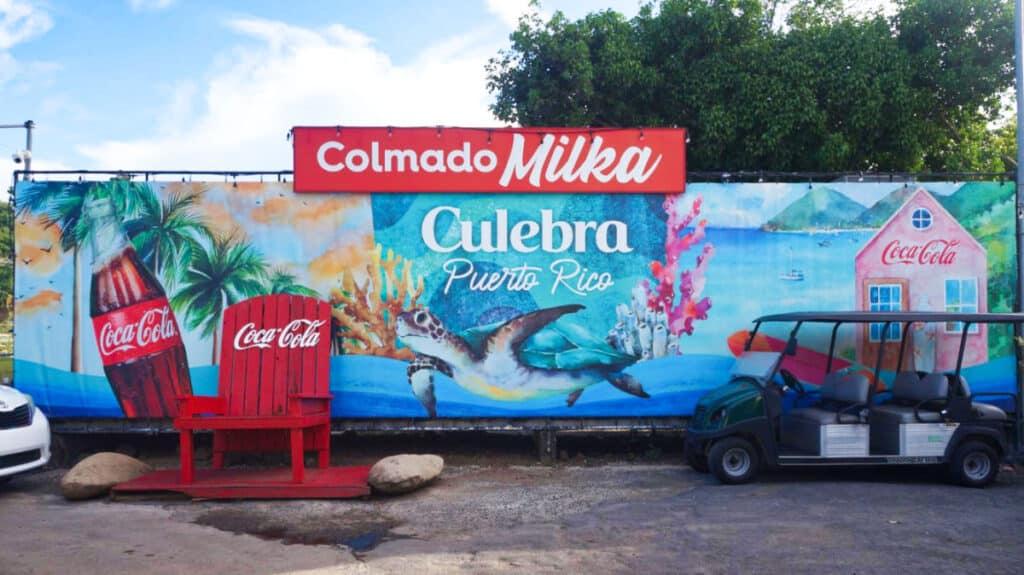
x,y
794,274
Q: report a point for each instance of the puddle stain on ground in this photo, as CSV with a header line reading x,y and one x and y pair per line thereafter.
x,y
360,532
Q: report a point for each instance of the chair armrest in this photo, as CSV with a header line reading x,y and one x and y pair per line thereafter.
x,y
917,407
842,412
189,405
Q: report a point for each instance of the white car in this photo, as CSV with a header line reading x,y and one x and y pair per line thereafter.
x,y
24,434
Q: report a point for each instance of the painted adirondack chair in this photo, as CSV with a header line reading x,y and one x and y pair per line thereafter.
x,y
273,385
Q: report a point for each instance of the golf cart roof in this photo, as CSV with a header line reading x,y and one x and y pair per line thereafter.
x,y
891,316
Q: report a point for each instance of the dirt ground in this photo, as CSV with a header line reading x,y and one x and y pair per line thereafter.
x,y
608,506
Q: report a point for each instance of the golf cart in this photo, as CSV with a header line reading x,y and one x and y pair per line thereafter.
x,y
852,420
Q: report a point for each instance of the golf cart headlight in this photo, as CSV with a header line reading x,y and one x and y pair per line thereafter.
x,y
717,416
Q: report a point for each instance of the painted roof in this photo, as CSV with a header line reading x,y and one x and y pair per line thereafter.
x,y
934,205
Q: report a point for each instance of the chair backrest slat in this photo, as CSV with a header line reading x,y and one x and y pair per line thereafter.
x,y
274,346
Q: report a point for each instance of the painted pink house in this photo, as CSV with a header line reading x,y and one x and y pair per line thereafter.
x,y
922,259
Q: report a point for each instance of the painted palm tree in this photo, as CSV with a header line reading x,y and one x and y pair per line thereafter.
x,y
282,281
168,232
63,205
225,271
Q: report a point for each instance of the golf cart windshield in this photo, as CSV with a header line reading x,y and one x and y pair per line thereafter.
x,y
756,364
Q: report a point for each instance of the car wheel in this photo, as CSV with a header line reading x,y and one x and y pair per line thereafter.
x,y
974,464
733,460
698,461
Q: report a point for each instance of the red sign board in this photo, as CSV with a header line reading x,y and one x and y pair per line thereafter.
x,y
635,160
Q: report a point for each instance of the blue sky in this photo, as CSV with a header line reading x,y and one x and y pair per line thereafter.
x,y
178,84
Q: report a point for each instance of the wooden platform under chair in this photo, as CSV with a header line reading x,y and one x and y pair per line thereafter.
x,y
229,483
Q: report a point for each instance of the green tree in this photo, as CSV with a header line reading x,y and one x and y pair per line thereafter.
x,y
282,281
63,205
826,91
6,258
224,271
167,232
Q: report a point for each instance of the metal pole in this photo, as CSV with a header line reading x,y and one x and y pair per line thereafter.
x,y
29,125
1018,46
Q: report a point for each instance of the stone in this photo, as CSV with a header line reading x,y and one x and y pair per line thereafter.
x,y
404,473
96,474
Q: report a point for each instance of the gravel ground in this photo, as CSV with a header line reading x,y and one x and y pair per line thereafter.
x,y
623,510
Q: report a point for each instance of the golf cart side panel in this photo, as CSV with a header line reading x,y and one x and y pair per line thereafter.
x,y
758,430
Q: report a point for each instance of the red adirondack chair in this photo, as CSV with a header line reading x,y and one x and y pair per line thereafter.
x,y
273,386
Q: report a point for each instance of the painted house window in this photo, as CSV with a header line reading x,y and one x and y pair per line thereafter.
x,y
961,296
885,297
921,219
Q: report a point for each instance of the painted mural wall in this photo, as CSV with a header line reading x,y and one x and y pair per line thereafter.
x,y
480,305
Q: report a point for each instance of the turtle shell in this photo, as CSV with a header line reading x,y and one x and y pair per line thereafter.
x,y
559,345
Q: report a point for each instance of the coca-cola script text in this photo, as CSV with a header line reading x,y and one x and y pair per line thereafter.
x,y
135,331
297,334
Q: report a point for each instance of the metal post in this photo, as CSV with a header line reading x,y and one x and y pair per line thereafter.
x,y
29,126
1018,30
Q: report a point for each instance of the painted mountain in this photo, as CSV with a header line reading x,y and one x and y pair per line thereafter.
x,y
967,204
820,208
884,208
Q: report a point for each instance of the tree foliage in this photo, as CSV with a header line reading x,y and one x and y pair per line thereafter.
x,y
825,91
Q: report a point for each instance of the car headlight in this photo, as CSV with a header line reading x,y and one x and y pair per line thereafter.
x,y
31,407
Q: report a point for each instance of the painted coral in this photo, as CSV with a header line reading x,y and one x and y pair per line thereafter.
x,y
364,314
661,312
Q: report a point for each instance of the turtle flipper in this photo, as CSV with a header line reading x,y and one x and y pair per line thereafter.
x,y
627,383
518,329
571,400
421,377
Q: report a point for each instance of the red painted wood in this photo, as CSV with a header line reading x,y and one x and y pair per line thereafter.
x,y
273,386
329,483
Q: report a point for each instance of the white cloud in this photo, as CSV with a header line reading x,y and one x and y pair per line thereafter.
x,y
21,21
508,11
149,5
281,75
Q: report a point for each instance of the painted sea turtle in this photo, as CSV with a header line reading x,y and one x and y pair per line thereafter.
x,y
526,357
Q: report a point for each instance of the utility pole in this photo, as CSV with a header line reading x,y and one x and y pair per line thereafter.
x,y
26,154
1018,48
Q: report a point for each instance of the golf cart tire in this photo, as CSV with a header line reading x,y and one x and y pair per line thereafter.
x,y
697,461
734,460
974,464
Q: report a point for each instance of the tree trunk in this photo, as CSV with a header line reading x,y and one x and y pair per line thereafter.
x,y
216,346
76,306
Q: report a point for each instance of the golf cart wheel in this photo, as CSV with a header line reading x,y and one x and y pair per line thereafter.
x,y
733,460
697,461
974,464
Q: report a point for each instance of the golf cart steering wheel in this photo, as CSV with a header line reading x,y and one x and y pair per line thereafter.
x,y
791,381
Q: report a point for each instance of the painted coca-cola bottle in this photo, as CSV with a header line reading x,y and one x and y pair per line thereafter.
x,y
136,332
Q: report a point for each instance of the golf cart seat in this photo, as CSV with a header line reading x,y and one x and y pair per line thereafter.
x,y
914,400
840,394
982,411
842,399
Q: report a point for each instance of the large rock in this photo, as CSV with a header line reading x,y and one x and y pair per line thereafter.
x,y
404,473
96,474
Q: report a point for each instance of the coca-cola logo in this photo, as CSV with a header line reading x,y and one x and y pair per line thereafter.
x,y
154,326
135,331
299,333
934,252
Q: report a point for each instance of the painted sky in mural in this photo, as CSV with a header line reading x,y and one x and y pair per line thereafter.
x,y
471,305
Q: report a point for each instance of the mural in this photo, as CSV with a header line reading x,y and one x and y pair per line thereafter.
x,y
493,305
